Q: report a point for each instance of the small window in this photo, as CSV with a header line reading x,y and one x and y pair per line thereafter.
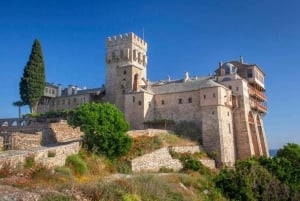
x,y
213,112
230,87
180,101
74,100
249,73
162,102
140,102
227,113
229,128
124,72
204,96
133,99
237,88
214,95
190,100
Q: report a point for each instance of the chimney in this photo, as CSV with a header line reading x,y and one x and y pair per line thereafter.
x,y
186,76
241,60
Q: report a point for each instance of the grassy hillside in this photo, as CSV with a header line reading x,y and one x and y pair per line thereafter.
x,y
87,176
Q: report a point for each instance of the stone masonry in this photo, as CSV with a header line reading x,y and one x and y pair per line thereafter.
x,y
162,158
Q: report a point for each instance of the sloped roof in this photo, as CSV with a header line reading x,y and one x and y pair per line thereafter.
x,y
182,85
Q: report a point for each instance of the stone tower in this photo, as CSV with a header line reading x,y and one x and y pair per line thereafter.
x,y
126,61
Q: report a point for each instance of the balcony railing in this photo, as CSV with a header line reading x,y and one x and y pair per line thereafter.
x,y
256,105
257,93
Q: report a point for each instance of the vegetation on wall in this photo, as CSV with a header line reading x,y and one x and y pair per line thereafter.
x,y
33,81
188,129
104,127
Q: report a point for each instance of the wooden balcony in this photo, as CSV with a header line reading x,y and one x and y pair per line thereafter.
x,y
259,106
257,93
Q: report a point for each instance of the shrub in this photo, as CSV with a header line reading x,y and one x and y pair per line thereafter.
x,y
29,162
104,127
77,164
190,163
63,170
51,154
123,167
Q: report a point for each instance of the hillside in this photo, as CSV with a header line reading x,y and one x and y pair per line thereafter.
x,y
90,177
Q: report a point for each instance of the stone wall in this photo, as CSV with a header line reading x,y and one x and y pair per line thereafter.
x,y
161,158
154,161
208,163
63,132
49,157
148,132
187,149
23,141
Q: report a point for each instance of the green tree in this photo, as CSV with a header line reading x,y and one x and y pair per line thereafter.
x,y
19,104
104,127
32,83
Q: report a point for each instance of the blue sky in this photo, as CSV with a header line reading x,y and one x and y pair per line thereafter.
x,y
182,35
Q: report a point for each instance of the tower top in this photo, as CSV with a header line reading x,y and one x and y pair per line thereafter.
x,y
123,38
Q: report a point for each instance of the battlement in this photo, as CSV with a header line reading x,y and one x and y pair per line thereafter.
x,y
127,37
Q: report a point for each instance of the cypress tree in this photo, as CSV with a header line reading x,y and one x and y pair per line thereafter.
x,y
32,83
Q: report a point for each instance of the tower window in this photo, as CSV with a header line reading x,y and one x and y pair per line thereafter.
x,y
190,100
162,102
140,102
229,128
230,87
204,96
133,99
214,95
180,101
124,72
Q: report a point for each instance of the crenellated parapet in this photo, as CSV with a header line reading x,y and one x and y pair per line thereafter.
x,y
126,48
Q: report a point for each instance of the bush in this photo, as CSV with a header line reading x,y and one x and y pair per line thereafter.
x,y
77,164
190,163
123,167
29,162
104,127
250,181
63,170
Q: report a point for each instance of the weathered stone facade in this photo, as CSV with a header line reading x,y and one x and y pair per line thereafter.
x,y
227,107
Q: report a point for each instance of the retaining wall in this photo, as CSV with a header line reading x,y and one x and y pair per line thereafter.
x,y
47,156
